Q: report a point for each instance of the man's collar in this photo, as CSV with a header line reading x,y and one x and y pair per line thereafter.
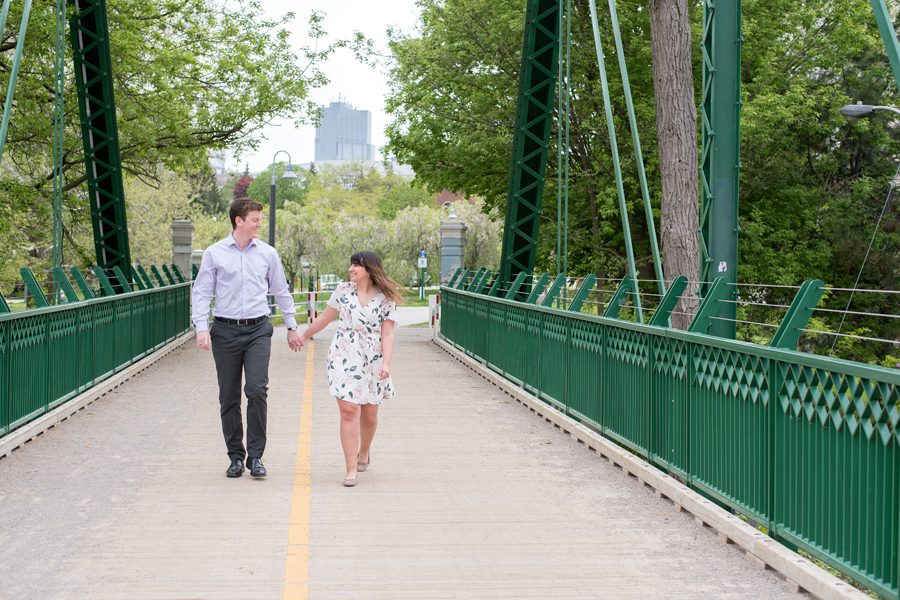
x,y
232,242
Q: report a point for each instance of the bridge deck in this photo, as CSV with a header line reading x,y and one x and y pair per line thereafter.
x,y
469,496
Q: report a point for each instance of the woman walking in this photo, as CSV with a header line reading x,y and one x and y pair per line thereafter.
x,y
359,359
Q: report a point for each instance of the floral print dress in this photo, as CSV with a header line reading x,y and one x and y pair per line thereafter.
x,y
354,358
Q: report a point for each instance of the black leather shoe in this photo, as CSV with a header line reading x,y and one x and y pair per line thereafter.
x,y
236,469
256,467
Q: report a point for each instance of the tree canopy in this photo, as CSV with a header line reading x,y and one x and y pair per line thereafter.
x,y
807,176
190,76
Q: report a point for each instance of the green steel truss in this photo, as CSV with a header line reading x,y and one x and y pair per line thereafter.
x,y
96,105
537,84
720,110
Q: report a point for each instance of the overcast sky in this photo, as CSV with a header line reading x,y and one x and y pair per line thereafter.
x,y
360,85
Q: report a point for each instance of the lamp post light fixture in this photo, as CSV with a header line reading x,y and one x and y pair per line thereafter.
x,y
288,174
853,112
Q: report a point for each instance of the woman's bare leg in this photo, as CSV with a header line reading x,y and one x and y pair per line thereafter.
x,y
368,423
349,434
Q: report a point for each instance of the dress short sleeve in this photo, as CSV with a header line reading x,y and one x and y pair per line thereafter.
x,y
335,300
389,311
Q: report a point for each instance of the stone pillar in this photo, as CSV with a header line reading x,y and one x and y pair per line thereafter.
x,y
182,246
453,243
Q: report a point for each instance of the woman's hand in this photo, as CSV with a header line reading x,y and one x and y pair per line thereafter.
x,y
385,372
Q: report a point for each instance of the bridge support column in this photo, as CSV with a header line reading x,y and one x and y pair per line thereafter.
x,y
182,245
453,244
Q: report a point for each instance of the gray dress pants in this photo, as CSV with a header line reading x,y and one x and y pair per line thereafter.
x,y
237,349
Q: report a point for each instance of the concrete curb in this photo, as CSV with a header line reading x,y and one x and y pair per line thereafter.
x,y
32,429
802,574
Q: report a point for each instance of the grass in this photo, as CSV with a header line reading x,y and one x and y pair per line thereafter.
x,y
411,296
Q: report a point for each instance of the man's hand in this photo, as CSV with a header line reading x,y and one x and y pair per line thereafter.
x,y
295,342
203,340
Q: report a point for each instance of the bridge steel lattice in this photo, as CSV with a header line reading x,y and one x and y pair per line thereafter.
x,y
806,446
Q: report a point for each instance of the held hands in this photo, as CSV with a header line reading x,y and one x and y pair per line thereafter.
x,y
203,340
295,340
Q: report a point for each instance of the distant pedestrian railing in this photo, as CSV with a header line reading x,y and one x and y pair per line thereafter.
x,y
50,354
803,445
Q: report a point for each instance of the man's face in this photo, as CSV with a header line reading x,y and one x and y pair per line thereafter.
x,y
249,226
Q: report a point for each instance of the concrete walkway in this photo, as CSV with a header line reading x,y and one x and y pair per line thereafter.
x,y
468,496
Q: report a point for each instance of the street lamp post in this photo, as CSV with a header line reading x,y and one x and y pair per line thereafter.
x,y
288,174
852,112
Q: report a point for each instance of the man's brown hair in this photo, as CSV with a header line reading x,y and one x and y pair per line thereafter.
x,y
241,208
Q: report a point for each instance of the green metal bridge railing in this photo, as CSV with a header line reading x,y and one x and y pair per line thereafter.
x,y
49,355
805,446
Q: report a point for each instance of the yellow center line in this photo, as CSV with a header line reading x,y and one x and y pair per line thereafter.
x,y
296,559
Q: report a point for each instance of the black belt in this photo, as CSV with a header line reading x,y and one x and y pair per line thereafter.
x,y
242,321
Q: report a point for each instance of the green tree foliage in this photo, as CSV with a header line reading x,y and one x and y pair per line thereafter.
x,y
360,189
453,101
189,76
151,210
205,194
812,185
286,190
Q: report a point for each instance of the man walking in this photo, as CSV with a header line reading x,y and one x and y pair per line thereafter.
x,y
239,271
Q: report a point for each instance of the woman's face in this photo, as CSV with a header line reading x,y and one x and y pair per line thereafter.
x,y
357,273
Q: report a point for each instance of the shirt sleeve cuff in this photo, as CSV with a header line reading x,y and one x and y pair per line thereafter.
x,y
290,322
201,326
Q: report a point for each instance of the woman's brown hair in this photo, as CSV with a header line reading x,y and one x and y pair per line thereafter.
x,y
372,264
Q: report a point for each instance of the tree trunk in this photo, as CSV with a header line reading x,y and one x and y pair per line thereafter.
x,y
676,132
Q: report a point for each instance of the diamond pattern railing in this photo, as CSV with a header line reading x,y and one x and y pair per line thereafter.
x,y
49,355
806,446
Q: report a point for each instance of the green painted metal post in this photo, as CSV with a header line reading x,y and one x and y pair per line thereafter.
x,y
4,13
14,72
638,155
195,271
538,288
89,35
516,285
461,284
4,307
703,321
888,36
534,115
136,279
798,314
498,285
617,168
34,288
147,281
553,291
454,277
168,273
720,109
476,279
123,281
177,273
583,292
159,277
59,276
485,278
105,284
669,301
626,286
82,283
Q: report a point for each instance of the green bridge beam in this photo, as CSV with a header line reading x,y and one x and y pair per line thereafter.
x,y
537,84
99,131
